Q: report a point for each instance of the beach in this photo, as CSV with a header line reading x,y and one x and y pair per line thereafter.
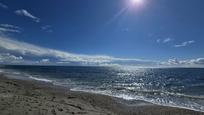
x,y
24,97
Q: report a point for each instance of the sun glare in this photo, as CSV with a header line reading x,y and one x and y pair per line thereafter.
x,y
137,2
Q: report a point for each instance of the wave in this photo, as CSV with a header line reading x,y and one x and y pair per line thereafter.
x,y
159,92
41,79
1,71
109,93
22,75
157,101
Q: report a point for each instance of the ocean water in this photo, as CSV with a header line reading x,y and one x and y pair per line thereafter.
x,y
177,87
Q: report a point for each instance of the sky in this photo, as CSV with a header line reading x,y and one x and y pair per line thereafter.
x,y
148,33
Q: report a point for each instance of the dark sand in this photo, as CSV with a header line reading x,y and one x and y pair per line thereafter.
x,y
18,97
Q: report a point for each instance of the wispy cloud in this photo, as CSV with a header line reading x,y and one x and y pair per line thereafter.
x,y
40,55
26,49
125,29
184,44
25,13
158,40
47,28
166,40
9,28
3,6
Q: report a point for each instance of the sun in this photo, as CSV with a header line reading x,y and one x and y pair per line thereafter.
x,y
137,2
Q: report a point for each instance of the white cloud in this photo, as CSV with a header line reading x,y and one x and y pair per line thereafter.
x,y
184,44
47,28
40,55
9,28
9,58
158,40
3,6
199,62
166,40
45,60
26,49
173,61
24,12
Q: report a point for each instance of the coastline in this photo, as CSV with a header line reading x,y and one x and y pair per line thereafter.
x,y
21,97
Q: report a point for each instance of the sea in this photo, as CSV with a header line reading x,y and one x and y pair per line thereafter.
x,y
175,87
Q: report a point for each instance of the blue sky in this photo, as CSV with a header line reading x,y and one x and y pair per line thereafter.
x,y
145,33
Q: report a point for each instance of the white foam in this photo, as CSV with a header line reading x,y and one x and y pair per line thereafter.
x,y
16,73
110,93
1,71
41,79
157,101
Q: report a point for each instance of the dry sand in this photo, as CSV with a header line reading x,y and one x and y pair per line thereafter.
x,y
18,97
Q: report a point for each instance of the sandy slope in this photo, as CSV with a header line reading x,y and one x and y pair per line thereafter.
x,y
33,98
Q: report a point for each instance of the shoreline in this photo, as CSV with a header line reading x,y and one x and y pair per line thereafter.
x,y
26,97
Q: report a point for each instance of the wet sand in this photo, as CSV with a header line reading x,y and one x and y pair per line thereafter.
x,y
20,97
